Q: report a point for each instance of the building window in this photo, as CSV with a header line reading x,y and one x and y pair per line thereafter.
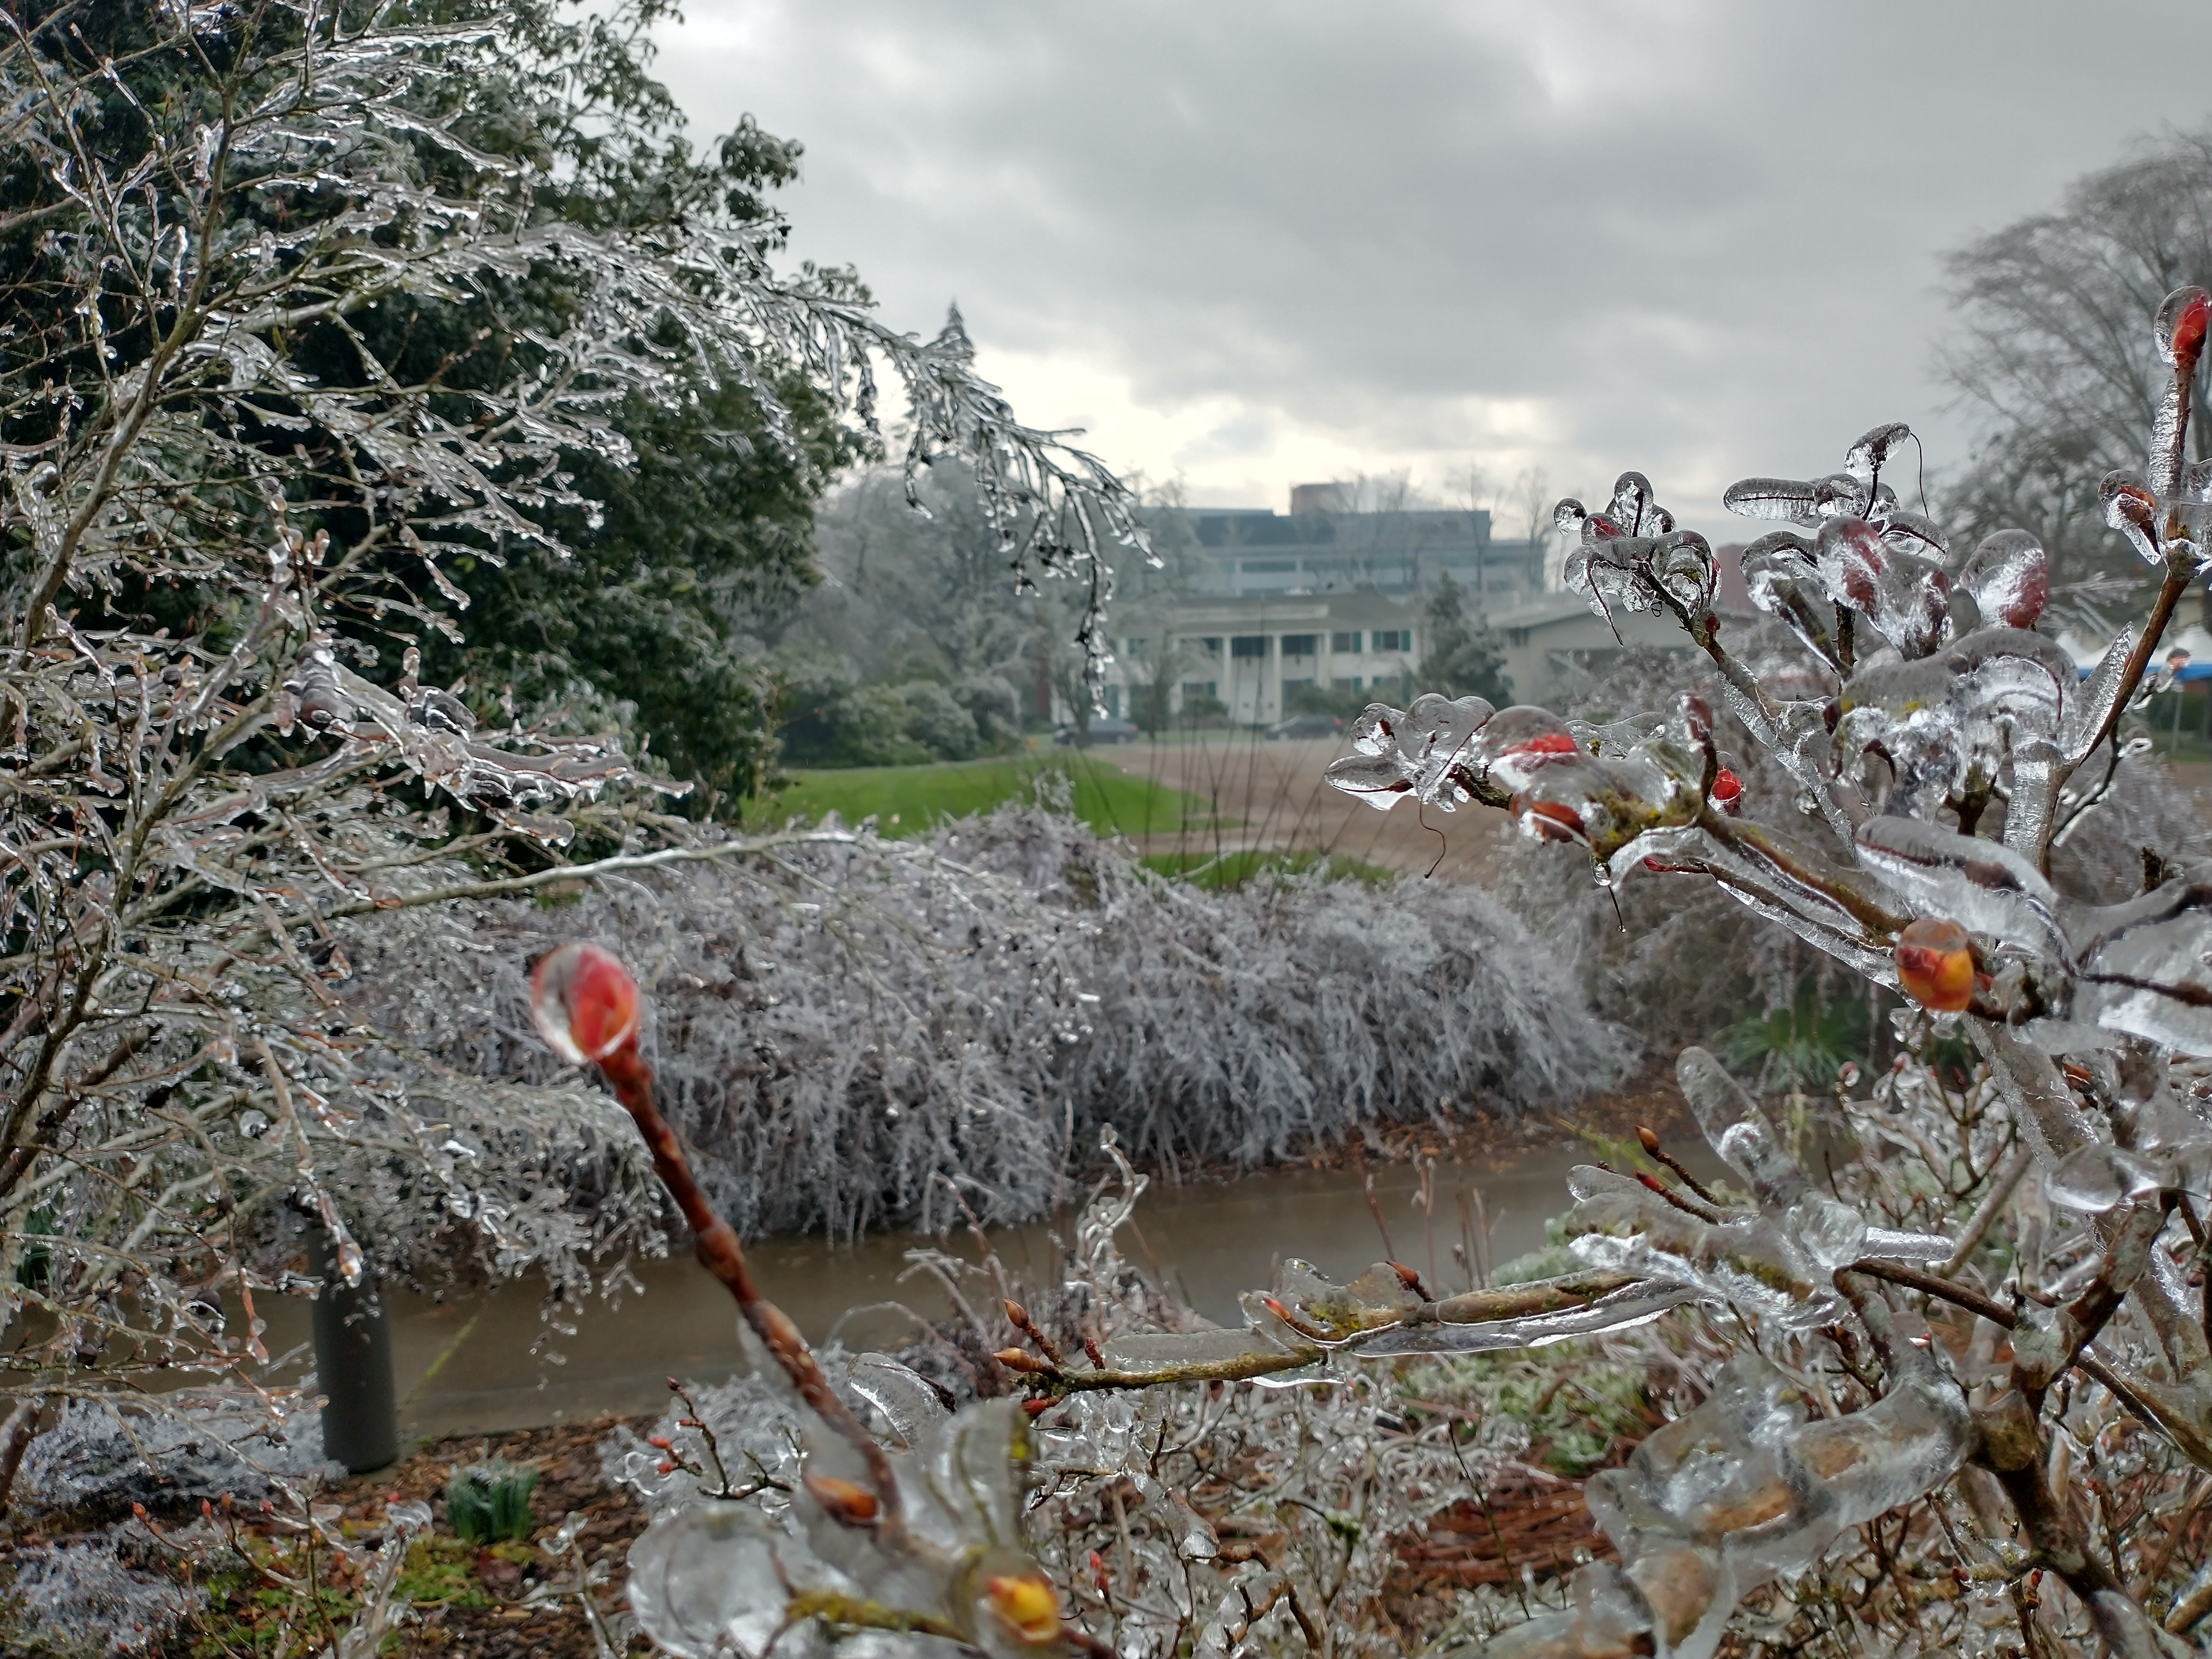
x,y
1299,645
1351,684
1197,689
1394,638
1114,702
1292,686
1516,637
1211,645
1268,567
1248,645
1134,644
1348,643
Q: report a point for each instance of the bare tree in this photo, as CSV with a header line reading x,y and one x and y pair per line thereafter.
x,y
1531,500
1469,489
2052,358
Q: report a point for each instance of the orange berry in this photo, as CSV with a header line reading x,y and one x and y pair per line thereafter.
x,y
1026,1604
1935,965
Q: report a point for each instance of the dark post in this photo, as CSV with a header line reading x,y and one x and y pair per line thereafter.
x,y
353,1363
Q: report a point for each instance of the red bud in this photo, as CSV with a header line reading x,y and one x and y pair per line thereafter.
x,y
585,1002
854,1505
2181,325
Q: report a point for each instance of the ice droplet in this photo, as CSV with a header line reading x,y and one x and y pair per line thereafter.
x,y
2097,1177
2009,576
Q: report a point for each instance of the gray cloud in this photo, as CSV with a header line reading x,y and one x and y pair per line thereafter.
x,y
1245,241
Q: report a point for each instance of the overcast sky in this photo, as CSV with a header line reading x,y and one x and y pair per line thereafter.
x,y
1253,244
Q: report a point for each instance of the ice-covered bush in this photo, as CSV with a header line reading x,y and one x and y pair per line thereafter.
x,y
854,1032
82,1599
99,1458
1676,965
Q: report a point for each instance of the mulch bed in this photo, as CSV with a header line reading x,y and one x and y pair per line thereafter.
x,y
567,1463
1528,1519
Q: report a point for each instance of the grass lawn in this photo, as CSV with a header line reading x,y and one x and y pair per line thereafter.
x,y
905,800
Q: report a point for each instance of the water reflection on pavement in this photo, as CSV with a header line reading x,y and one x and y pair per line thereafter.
x,y
484,1365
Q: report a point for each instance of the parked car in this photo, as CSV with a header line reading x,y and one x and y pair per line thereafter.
x,y
1307,725
1101,731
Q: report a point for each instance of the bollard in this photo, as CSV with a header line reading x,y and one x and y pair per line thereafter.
x,y
353,1363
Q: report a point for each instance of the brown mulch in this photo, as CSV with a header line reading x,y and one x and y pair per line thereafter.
x,y
1528,1521
567,1459
1527,1518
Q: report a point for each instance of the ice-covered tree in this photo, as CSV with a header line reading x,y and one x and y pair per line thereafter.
x,y
1460,656
307,311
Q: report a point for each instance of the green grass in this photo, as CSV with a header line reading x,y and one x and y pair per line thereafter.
x,y
1235,869
906,800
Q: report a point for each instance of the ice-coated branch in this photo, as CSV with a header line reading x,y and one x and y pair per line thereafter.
x,y
586,1006
588,1009
1927,730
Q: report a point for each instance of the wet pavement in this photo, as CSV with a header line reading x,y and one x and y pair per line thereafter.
x,y
486,1365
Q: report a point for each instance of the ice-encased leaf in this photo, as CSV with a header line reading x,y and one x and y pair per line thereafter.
x,y
1865,457
908,1405
1745,1488
1779,574
2142,967
2093,699
2130,506
1902,595
1980,884
962,1484
704,1580
1736,1129
1787,499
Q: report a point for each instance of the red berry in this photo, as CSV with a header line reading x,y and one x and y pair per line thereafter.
x,y
1935,965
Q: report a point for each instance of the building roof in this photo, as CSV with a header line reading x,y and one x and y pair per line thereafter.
x,y
1258,612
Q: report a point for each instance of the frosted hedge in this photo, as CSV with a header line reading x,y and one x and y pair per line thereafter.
x,y
853,1033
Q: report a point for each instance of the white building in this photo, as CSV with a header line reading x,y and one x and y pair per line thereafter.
x,y
1250,652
